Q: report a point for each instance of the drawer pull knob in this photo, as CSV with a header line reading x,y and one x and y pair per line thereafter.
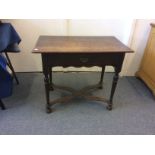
x,y
84,60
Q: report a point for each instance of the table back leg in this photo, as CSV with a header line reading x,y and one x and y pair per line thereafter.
x,y
101,79
50,76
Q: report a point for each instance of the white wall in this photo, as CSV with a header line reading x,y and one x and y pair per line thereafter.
x,y
29,30
121,28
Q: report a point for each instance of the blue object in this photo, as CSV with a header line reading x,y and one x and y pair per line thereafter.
x,y
6,79
8,36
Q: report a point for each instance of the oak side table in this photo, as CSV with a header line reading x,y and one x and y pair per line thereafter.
x,y
80,51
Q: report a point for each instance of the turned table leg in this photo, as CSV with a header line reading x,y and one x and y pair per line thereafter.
x,y
47,91
114,84
50,76
101,79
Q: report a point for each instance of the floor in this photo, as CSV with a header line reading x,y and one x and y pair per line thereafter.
x,y
133,112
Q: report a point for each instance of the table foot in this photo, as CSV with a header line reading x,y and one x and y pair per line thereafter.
x,y
49,110
109,107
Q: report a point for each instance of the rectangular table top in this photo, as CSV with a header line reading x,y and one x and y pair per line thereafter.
x,y
80,44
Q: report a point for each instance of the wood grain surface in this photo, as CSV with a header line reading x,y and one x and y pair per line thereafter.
x,y
79,44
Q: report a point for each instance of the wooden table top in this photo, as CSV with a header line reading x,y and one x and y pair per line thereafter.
x,y
80,44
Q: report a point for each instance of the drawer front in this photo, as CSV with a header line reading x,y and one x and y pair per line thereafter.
x,y
79,60
72,60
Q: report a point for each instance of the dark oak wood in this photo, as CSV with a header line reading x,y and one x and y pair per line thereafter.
x,y
101,79
79,44
80,51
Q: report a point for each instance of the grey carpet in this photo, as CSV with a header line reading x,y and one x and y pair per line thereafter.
x,y
133,113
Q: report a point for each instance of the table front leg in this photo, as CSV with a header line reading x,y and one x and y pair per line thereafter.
x,y
114,84
47,91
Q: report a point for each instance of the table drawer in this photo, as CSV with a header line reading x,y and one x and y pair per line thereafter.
x,y
79,60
